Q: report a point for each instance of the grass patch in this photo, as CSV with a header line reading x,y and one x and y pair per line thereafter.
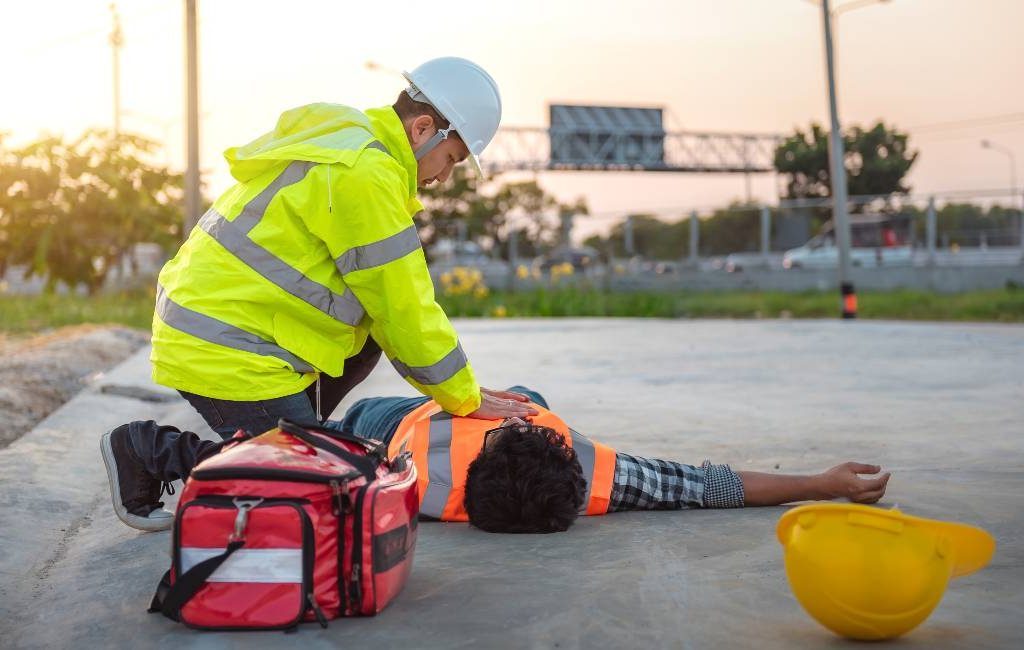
x,y
1001,305
29,314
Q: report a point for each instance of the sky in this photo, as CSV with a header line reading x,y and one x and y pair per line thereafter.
x,y
948,71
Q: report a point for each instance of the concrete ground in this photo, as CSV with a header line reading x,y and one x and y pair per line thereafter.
x,y
940,405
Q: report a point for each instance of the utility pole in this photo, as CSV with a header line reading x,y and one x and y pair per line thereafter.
x,y
840,218
193,198
627,236
116,41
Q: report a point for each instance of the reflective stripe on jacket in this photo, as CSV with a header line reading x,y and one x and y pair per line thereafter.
x,y
443,447
292,268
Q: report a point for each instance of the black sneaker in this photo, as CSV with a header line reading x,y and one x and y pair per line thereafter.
x,y
136,494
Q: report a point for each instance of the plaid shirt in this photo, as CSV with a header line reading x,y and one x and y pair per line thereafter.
x,y
652,484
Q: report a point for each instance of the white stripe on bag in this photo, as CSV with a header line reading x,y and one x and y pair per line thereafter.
x,y
249,565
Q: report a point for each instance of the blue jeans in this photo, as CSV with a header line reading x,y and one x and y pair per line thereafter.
x,y
378,418
227,416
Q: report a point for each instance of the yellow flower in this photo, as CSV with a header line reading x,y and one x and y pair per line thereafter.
x,y
446,279
499,311
480,292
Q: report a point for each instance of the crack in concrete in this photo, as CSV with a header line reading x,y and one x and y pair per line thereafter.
x,y
42,574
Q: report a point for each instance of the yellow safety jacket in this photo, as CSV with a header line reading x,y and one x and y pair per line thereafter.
x,y
291,269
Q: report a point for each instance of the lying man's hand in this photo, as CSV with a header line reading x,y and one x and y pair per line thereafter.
x,y
843,481
502,404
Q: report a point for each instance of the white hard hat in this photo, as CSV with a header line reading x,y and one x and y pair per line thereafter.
x,y
465,95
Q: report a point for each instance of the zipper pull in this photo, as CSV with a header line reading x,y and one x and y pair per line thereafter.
x,y
319,613
356,591
340,497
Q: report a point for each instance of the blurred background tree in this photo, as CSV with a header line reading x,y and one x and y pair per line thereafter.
x,y
489,212
877,160
72,212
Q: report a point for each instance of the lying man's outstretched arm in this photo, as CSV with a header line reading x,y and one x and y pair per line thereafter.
x,y
761,489
652,484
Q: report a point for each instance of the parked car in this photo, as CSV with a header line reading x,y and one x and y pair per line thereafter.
x,y
876,240
822,253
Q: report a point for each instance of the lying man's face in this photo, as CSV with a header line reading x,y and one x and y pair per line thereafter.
x,y
525,480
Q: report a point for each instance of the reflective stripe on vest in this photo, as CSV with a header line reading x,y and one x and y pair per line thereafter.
x,y
443,447
212,330
439,485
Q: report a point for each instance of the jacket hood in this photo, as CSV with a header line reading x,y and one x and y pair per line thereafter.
x,y
320,133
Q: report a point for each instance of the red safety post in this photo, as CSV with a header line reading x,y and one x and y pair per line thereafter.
x,y
849,301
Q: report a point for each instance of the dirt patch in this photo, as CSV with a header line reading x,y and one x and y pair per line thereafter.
x,y
39,373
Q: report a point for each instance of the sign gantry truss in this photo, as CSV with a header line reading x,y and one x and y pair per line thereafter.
x,y
530,149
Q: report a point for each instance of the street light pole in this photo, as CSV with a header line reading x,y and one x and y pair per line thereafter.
x,y
840,217
1015,193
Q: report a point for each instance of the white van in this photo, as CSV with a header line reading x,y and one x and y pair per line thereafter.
x,y
876,240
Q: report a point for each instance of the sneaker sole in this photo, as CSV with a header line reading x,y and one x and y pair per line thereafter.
x,y
134,521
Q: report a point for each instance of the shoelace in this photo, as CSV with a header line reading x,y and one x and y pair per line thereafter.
x,y
165,488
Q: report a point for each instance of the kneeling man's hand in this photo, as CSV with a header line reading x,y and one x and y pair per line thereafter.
x,y
501,405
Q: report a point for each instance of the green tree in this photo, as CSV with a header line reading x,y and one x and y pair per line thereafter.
x,y
71,212
876,161
489,212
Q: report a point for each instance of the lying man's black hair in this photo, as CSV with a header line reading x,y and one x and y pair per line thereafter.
x,y
527,481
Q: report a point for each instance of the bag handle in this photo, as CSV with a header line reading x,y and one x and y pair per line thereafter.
x,y
169,599
364,465
373,447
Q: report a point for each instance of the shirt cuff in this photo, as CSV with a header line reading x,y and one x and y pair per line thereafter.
x,y
723,487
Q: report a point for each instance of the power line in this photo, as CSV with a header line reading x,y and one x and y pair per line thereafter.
x,y
71,38
991,120
939,136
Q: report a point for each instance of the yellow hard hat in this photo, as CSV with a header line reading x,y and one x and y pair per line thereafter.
x,y
868,573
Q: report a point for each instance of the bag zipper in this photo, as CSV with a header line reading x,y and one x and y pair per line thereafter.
x,y
356,589
268,473
341,504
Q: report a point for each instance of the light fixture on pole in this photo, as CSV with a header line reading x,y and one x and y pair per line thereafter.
x,y
1015,192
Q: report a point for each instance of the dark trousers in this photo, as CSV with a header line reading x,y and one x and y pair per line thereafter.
x,y
227,416
167,453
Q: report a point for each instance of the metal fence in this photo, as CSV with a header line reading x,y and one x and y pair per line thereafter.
x,y
897,241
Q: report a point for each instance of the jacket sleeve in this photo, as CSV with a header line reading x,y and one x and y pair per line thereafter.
x,y
370,234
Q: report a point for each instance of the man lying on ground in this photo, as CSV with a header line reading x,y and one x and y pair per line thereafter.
x,y
515,476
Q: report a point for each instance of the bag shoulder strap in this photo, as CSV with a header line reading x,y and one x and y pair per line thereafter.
x,y
169,599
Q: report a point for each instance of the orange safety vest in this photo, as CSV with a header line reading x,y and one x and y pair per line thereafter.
x,y
443,446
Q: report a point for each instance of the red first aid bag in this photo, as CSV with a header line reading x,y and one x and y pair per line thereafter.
x,y
300,523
